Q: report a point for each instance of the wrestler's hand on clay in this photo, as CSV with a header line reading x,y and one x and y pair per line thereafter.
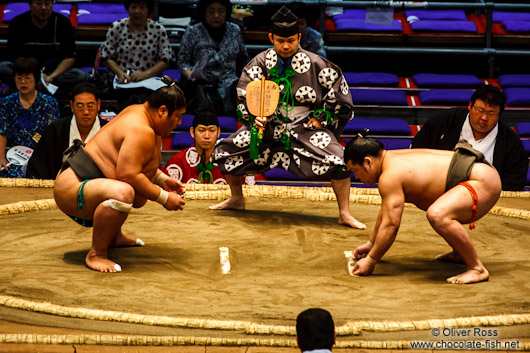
x,y
174,202
363,268
260,121
173,184
361,251
314,123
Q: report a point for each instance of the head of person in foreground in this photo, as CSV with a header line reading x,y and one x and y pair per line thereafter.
x,y
315,329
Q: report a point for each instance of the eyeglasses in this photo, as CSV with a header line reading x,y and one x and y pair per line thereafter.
x,y
24,78
482,112
89,106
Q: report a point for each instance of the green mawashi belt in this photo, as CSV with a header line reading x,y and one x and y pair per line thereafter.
x,y
81,200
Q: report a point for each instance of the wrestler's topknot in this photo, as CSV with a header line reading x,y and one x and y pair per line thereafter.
x,y
363,133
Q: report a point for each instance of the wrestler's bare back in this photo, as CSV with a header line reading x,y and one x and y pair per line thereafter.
x,y
420,173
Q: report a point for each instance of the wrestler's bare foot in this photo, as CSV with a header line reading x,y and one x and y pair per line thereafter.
x,y
349,221
124,241
470,276
452,256
101,263
233,203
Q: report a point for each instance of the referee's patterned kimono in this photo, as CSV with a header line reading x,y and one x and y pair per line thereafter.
x,y
317,89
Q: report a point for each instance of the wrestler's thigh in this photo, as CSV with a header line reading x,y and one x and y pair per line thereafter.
x,y
98,190
454,204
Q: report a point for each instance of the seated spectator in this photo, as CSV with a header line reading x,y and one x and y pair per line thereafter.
x,y
24,115
48,37
46,160
210,59
188,166
311,40
136,48
480,126
315,331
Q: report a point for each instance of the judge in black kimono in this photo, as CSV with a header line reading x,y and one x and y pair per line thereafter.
x,y
301,136
59,135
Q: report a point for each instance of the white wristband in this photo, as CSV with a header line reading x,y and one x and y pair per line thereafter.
x,y
162,198
161,179
370,260
369,244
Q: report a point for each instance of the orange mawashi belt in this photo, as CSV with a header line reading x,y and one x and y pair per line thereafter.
x,y
474,207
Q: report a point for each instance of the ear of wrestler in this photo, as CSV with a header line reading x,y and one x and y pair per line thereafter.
x,y
167,122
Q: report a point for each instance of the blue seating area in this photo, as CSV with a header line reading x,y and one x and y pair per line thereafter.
x,y
453,97
374,96
99,14
426,90
523,129
377,127
411,21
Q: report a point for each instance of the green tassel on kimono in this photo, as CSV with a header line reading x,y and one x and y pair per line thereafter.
x,y
205,173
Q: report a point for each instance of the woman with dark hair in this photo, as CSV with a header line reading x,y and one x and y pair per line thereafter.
x,y
24,115
211,57
136,48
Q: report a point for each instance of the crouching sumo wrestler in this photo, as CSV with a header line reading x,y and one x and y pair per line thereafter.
x,y
116,170
455,188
